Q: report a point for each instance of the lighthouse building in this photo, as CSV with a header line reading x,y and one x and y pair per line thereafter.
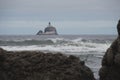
x,y
49,30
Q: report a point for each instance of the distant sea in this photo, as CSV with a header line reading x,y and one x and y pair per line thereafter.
x,y
90,48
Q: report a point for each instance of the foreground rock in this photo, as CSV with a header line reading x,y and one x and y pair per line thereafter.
x,y
42,66
111,61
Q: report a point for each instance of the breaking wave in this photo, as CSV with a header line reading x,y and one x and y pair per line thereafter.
x,y
78,45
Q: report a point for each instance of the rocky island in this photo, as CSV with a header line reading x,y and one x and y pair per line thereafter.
x,y
49,30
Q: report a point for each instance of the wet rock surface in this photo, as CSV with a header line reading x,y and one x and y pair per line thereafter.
x,y
33,65
111,61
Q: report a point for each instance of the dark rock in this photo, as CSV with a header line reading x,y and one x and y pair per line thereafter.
x,y
40,32
103,72
118,27
33,65
2,55
111,61
117,59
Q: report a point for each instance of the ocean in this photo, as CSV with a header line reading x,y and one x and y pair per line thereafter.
x,y
89,48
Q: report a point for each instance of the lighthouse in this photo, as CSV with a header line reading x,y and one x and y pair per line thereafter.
x,y
49,30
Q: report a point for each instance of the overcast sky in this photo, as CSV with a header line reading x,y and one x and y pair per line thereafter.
x,y
68,16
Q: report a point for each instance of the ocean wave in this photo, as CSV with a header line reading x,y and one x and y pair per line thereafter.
x,y
56,40
77,46
83,48
25,42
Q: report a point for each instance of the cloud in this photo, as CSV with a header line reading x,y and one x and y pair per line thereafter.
x,y
59,10
66,14
59,6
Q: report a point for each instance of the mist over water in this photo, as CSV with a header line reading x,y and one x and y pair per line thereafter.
x,y
90,48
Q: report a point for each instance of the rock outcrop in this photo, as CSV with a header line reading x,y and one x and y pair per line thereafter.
x,y
33,65
111,61
49,30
